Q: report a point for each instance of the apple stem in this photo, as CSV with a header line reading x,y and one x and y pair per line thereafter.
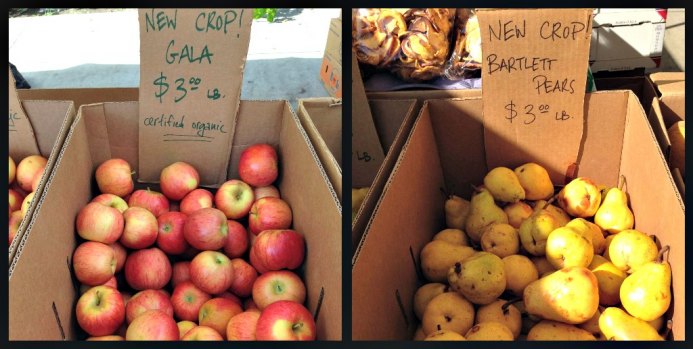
x,y
660,255
507,304
296,326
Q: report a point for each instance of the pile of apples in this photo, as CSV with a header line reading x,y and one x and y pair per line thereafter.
x,y
512,265
180,264
24,180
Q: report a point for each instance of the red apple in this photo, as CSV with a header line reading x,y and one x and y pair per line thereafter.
x,y
217,312
237,240
274,286
230,296
178,179
258,165
277,249
141,228
285,320
242,327
27,170
153,201
26,203
170,238
94,263
147,269
195,200
211,271
106,338
249,304
15,200
98,222
181,273
268,214
37,179
187,300
121,255
206,229
147,300
268,191
15,222
100,311
185,326
244,276
111,200
153,325
13,170
202,333
114,176
234,198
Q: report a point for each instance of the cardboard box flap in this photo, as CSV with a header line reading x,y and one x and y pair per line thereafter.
x,y
373,259
666,218
536,63
391,115
190,87
22,139
656,118
81,96
667,77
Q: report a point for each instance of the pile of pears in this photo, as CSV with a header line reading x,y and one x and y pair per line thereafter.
x,y
513,265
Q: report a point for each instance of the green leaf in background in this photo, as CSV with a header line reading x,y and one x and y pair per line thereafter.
x,y
268,13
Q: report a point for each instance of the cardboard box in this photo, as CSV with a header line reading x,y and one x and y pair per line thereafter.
x,y
331,68
625,39
447,149
42,263
81,96
393,120
641,86
50,120
322,120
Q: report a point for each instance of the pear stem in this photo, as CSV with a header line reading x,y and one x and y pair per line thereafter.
x,y
553,198
507,304
475,188
439,328
666,332
621,182
660,255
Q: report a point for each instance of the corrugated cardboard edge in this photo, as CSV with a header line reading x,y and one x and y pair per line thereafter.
x,y
328,160
372,199
659,78
44,184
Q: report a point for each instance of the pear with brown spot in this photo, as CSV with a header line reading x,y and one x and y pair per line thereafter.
x,y
569,295
479,278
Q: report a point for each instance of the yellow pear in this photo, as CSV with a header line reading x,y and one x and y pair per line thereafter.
x,y
657,323
503,312
424,294
358,195
483,212
561,217
438,256
591,231
453,236
616,324
448,311
631,249
419,334
504,185
519,272
580,198
456,211
609,279
479,278
500,239
489,331
444,335
547,330
535,230
535,180
614,215
607,243
568,295
567,247
677,154
592,325
517,212
543,266
646,293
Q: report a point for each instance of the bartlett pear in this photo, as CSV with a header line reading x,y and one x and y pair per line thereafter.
x,y
500,239
591,231
424,294
677,136
631,249
535,230
567,247
456,211
616,324
438,256
580,198
483,212
535,180
504,185
609,279
556,211
489,331
646,293
517,212
614,215
568,295
547,330
499,311
453,236
479,278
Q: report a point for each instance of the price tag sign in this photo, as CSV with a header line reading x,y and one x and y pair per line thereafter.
x,y
22,140
534,77
191,73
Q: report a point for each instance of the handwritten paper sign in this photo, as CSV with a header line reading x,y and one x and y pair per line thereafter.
x,y
366,152
22,140
534,78
191,73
